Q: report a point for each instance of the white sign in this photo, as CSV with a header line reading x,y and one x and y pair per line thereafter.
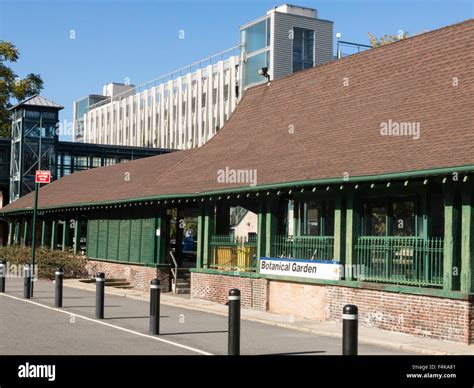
x,y
301,268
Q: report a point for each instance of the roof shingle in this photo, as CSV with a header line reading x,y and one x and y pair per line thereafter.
x,y
320,123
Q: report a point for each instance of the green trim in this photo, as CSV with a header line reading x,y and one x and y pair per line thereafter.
x,y
439,293
304,183
467,240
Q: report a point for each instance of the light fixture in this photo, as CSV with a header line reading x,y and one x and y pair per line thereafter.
x,y
263,71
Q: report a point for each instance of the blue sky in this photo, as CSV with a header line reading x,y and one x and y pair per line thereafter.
x,y
139,40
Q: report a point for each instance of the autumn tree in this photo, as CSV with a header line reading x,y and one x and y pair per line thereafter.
x,y
12,87
386,39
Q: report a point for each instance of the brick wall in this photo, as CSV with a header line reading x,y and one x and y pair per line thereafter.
x,y
139,276
421,315
254,292
427,316
297,300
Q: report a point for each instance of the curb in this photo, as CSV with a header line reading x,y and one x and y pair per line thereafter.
x,y
325,333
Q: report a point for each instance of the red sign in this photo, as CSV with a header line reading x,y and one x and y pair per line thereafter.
x,y
43,176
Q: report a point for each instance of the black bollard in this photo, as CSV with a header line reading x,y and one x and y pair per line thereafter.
x,y
155,307
234,323
3,276
58,296
27,282
99,295
349,330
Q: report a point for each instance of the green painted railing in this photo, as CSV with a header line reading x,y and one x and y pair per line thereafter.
x,y
401,260
305,247
233,253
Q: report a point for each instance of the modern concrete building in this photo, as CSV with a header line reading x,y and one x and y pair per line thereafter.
x,y
185,108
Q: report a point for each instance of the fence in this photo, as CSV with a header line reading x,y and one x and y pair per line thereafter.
x,y
304,247
401,260
233,253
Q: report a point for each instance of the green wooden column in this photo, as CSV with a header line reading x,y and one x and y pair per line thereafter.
x,y
10,233
17,232
25,232
77,235
209,231
450,237
65,242
271,224
339,229
352,230
54,234
44,232
467,240
200,237
161,233
261,232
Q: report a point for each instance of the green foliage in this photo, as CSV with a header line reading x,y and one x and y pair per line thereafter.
x,y
386,39
48,261
13,87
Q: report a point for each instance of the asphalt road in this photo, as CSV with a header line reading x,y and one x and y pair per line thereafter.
x,y
36,327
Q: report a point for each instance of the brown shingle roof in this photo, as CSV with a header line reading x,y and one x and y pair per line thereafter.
x,y
316,124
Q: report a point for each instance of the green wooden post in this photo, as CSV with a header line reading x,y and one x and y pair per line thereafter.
x,y
339,229
450,226
209,230
261,233
271,224
352,232
25,233
17,232
77,236
161,234
426,232
43,232
10,233
467,240
65,242
54,234
200,236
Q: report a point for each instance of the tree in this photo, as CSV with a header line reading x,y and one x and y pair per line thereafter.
x,y
13,87
386,39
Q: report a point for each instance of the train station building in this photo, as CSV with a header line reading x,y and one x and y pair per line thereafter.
x,y
359,176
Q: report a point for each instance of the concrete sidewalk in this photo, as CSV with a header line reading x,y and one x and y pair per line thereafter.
x,y
367,335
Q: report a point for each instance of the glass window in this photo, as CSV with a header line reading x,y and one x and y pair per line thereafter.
x,y
256,37
303,46
403,218
253,64
375,214
316,218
